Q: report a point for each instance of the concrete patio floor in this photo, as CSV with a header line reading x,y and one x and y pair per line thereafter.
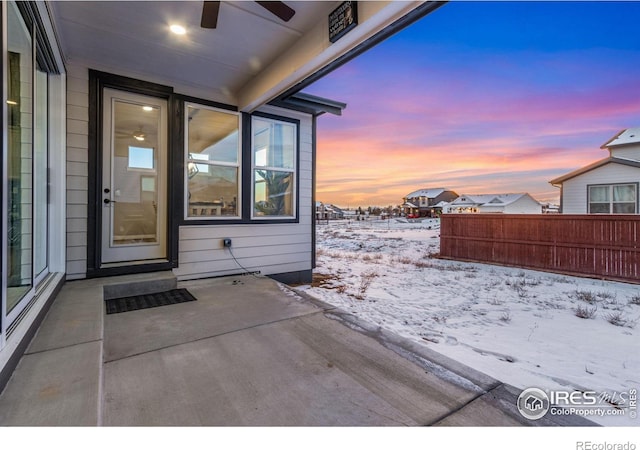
x,y
249,351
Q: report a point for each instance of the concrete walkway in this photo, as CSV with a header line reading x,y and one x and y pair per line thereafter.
x,y
249,351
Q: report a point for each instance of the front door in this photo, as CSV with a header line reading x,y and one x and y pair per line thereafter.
x,y
134,177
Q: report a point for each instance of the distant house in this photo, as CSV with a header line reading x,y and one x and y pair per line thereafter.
x,y
332,212
608,186
328,212
550,208
427,202
521,203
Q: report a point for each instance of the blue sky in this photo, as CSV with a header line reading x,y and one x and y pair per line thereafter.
x,y
481,97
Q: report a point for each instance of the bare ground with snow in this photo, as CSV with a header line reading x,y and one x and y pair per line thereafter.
x,y
523,327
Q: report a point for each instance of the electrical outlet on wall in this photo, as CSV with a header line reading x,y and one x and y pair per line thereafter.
x,y
226,242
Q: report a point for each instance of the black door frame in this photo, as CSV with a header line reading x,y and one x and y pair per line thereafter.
x,y
97,82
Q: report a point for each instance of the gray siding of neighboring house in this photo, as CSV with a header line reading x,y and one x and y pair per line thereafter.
x,y
524,205
627,152
270,248
574,190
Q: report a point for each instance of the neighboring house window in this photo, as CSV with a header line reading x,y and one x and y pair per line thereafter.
x,y
274,154
613,199
212,163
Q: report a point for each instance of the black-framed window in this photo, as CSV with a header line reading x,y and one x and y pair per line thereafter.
x,y
274,162
620,198
213,163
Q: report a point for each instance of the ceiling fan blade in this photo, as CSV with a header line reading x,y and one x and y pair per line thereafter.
x,y
210,14
280,9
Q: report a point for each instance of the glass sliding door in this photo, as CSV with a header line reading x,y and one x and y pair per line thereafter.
x,y
40,186
19,160
26,157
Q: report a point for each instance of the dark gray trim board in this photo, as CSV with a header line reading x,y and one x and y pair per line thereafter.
x,y
310,104
314,136
299,277
2,209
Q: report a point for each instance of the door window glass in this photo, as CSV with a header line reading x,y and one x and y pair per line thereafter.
x,y
134,200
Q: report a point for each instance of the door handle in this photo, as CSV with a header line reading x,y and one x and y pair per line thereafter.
x,y
107,201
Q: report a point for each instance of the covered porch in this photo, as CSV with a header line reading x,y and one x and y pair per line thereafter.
x,y
249,351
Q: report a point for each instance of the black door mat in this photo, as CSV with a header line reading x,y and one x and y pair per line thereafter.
x,y
133,303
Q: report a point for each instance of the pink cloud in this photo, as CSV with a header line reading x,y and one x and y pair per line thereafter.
x,y
473,126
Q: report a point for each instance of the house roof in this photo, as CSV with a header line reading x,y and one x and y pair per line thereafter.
x,y
488,199
595,165
429,193
624,137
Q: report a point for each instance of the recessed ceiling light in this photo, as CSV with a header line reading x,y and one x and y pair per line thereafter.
x,y
147,108
178,29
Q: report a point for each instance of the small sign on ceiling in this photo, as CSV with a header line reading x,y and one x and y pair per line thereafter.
x,y
342,20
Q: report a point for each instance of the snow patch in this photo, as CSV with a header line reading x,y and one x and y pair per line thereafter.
x,y
518,326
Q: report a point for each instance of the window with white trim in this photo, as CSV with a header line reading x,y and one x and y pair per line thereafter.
x,y
613,199
274,155
213,175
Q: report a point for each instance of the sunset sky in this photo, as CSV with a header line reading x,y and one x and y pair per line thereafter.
x,y
481,97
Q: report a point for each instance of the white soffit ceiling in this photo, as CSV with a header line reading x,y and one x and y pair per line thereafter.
x,y
132,38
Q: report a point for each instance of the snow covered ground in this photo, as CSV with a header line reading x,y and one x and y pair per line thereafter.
x,y
518,326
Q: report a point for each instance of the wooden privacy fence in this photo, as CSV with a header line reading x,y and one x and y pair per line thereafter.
x,y
602,246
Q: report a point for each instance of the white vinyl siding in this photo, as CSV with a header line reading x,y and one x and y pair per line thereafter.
x,y
77,170
575,190
268,248
627,152
524,205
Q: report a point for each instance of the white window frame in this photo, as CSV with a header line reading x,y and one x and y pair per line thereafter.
x,y
293,171
611,202
188,160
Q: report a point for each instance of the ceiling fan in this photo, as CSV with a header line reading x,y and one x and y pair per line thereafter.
x,y
210,11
